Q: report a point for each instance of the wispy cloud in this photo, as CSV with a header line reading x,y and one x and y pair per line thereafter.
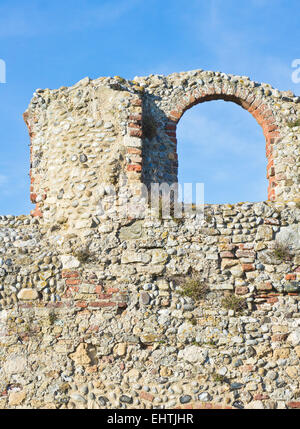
x,y
43,19
3,180
238,43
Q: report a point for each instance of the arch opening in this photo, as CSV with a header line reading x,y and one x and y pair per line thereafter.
x,y
222,146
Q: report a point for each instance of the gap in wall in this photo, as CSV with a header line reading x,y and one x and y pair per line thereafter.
x,y
221,145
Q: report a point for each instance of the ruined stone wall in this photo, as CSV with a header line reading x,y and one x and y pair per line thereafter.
x,y
105,321
167,98
80,146
114,131
99,310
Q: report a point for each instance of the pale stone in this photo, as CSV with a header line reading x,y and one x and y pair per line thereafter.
x,y
77,397
192,354
163,284
45,275
151,269
105,228
80,356
120,349
292,372
222,287
16,398
28,243
69,262
260,246
159,256
150,338
280,328
133,374
130,257
163,293
131,232
165,371
15,365
145,297
185,330
251,386
81,224
263,351
63,346
264,232
28,294
255,405
294,338
237,271
289,236
212,256
281,353
297,350
132,142
237,340
228,263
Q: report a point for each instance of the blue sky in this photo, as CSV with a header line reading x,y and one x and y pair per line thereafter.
x,y
53,44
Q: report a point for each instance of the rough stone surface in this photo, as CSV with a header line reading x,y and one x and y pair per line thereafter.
x,y
28,294
105,309
16,398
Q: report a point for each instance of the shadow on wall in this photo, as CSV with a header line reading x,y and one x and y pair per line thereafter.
x,y
221,145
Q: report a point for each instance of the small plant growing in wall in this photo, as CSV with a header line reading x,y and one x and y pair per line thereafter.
x,y
52,317
235,303
282,251
294,123
83,254
208,218
193,287
194,322
212,342
218,378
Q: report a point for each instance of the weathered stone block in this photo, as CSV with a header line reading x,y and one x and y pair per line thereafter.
x,y
28,294
264,232
129,257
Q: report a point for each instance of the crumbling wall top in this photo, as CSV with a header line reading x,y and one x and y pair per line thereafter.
x,y
113,131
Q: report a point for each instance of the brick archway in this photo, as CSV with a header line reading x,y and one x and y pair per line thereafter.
x,y
258,108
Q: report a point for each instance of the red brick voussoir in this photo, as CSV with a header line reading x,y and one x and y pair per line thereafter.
x,y
37,211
